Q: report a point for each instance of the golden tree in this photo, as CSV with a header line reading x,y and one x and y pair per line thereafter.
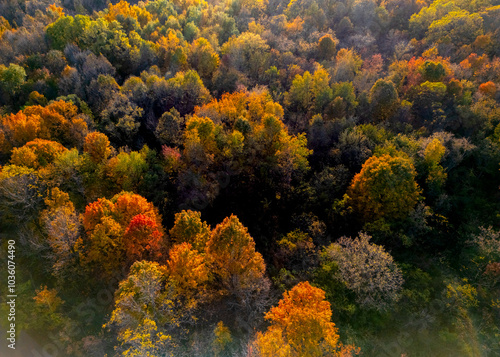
x,y
301,326
385,188
231,251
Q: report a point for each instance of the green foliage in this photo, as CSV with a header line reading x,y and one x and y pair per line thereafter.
x,y
249,53
384,99
222,341
457,27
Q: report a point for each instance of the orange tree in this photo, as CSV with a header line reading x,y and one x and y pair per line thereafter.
x,y
301,326
120,231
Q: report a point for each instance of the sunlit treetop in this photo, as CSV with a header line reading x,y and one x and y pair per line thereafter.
x,y
301,326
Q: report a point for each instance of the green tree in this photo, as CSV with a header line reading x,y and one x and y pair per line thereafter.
x,y
248,53
203,58
384,99
457,27
326,47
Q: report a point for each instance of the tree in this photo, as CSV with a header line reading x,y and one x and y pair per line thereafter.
x,y
118,232
488,89
145,340
232,256
187,268
58,121
121,119
368,270
203,58
310,93
18,129
143,239
172,52
37,153
296,252
222,340
127,170
63,227
122,10
420,22
12,78
326,47
248,54
301,326
97,147
347,65
143,303
385,188
66,29
433,155
457,27
20,192
189,228
169,128
384,99
186,90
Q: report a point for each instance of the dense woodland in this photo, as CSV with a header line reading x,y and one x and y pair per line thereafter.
x,y
252,177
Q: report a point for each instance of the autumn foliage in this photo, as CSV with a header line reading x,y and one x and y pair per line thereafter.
x,y
301,326
385,188
120,231
232,255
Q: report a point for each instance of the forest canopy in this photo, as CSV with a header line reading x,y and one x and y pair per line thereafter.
x,y
251,177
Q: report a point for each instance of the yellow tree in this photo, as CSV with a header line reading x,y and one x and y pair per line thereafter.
x,y
186,267
203,58
188,273
231,252
385,188
143,304
97,147
62,225
37,153
301,326
189,228
433,154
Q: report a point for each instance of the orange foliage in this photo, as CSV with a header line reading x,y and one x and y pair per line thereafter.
x,y
124,8
251,105
56,121
19,128
301,325
416,73
36,153
489,89
97,146
231,251
48,297
56,10
143,239
186,267
474,62
94,212
120,231
295,26
127,205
